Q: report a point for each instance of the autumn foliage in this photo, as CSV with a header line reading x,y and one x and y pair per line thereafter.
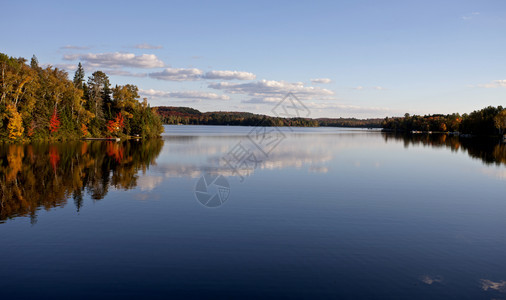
x,y
54,124
84,130
42,103
489,121
15,125
117,125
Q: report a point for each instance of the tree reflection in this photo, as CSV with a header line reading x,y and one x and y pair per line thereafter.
x,y
489,151
42,175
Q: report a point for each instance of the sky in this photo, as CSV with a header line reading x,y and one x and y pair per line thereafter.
x,y
339,58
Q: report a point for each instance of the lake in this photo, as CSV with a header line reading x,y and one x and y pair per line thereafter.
x,y
245,212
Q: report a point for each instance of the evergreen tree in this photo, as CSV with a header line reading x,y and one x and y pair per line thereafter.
x,y
107,99
99,92
34,63
79,77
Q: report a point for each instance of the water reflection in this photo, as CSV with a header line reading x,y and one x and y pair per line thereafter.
x,y
488,151
431,279
46,175
489,284
193,156
314,152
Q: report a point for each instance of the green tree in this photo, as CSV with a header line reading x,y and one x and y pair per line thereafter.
x,y
99,92
34,63
79,77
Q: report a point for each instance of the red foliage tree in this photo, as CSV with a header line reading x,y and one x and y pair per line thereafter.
x,y
116,125
54,124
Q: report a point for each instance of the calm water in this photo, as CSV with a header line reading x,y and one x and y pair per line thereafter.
x,y
297,213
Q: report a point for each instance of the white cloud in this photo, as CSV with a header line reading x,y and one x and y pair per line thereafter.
x,y
269,89
191,74
147,46
74,47
470,16
174,74
229,75
494,84
349,108
321,80
124,73
326,107
67,67
257,100
117,60
362,88
183,95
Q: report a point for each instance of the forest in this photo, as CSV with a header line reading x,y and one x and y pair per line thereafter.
x,y
42,103
190,116
490,121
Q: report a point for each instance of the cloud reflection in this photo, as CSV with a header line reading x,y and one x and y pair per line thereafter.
x,y
148,183
431,279
489,284
207,156
498,173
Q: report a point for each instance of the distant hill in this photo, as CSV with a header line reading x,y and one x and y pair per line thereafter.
x,y
190,116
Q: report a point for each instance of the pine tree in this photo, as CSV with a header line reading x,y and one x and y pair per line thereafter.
x,y
98,93
79,77
34,63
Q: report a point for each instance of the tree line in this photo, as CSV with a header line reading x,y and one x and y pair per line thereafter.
x,y
190,116
42,103
490,121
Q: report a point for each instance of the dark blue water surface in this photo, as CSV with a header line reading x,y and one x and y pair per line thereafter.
x,y
298,213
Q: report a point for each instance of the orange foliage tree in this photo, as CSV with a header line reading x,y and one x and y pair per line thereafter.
x,y
117,125
84,130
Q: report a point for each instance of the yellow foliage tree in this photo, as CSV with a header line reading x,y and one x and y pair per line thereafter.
x,y
500,121
15,126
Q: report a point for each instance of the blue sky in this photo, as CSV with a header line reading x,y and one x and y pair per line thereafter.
x,y
340,58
